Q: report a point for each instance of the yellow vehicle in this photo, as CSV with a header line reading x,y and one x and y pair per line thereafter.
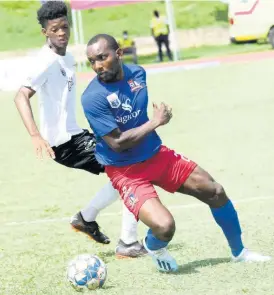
x,y
251,20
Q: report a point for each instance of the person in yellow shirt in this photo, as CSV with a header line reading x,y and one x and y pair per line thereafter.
x,y
128,46
160,31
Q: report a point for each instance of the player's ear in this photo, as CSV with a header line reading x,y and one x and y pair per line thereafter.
x,y
44,32
119,53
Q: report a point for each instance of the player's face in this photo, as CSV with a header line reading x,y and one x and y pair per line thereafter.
x,y
104,61
57,32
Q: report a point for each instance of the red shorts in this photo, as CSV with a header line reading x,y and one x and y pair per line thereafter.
x,y
166,169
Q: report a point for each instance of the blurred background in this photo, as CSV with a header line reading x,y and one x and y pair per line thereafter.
x,y
195,29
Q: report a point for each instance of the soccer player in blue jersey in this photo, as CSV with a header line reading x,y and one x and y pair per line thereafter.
x,y
115,104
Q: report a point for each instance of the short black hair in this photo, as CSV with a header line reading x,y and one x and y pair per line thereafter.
x,y
112,43
125,32
156,13
51,10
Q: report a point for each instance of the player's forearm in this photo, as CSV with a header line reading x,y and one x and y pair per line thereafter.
x,y
22,103
134,136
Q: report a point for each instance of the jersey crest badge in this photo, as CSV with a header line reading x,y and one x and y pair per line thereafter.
x,y
132,200
114,100
134,85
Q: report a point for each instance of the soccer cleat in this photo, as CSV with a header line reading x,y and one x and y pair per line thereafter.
x,y
162,259
250,256
91,229
133,250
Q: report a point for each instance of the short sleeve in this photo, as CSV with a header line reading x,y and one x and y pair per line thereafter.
x,y
98,114
142,74
37,74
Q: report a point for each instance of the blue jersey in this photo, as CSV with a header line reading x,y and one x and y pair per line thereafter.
x,y
122,105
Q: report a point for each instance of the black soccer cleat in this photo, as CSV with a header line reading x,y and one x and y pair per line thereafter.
x,y
133,250
91,229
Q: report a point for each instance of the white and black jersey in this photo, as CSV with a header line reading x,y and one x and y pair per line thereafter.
x,y
52,76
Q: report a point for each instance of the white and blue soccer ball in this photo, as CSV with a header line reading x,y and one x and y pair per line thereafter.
x,y
86,271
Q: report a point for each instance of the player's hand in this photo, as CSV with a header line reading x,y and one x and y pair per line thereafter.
x,y
162,114
42,146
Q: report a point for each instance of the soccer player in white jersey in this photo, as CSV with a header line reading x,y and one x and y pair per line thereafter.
x,y
52,76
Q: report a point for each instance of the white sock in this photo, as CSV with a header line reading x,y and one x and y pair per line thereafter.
x,y
129,227
105,197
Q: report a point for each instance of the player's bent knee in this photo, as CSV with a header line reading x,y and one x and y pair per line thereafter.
x,y
219,197
165,229
219,189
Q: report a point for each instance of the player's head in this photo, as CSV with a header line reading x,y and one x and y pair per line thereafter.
x,y
52,16
105,57
156,13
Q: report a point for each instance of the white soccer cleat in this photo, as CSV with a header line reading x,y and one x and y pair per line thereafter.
x,y
250,256
162,259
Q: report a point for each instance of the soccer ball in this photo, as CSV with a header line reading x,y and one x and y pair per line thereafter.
x,y
86,272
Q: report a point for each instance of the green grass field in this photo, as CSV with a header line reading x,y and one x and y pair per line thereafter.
x,y
223,119
18,20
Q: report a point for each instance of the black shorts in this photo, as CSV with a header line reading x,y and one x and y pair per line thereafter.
x,y
78,153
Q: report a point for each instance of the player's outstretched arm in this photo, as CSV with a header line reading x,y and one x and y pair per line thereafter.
x,y
22,102
120,141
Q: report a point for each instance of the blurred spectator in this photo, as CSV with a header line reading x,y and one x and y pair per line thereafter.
x,y
128,46
160,31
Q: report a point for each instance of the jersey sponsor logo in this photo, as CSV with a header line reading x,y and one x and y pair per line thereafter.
x,y
125,119
134,85
115,103
114,100
126,106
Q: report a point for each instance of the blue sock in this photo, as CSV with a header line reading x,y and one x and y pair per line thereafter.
x,y
227,219
153,243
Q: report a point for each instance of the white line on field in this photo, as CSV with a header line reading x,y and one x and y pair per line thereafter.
x,y
183,67
175,207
